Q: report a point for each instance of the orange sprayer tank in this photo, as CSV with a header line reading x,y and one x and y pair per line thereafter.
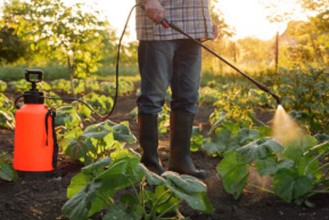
x,y
35,147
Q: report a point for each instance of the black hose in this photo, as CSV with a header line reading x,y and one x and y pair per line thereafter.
x,y
117,64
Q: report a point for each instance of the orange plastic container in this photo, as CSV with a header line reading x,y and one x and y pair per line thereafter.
x,y
35,150
34,142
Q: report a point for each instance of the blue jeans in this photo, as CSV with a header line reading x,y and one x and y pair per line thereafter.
x,y
174,63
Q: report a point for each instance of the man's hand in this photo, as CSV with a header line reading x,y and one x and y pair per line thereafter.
x,y
154,10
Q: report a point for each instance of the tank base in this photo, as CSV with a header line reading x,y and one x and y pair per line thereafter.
x,y
35,175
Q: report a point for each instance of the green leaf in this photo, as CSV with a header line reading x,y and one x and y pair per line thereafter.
x,y
7,172
309,165
97,131
96,168
188,184
224,135
190,189
163,200
196,139
77,183
234,173
259,149
152,178
270,165
123,133
120,211
246,135
288,185
123,172
77,208
295,150
211,147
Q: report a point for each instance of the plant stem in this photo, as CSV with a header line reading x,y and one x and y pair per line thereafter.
x,y
158,201
141,197
167,199
321,167
314,192
107,199
261,188
313,160
168,209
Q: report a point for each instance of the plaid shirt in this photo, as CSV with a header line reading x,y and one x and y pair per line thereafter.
x,y
191,16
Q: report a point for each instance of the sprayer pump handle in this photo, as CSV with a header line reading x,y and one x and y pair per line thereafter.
x,y
38,73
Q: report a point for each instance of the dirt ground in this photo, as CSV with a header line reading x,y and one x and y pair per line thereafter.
x,y
43,198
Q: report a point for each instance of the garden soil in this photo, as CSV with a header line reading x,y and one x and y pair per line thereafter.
x,y
42,198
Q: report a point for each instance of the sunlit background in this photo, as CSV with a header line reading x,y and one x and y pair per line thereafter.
x,y
249,18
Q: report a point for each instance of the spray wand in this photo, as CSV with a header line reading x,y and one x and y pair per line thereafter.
x,y
166,24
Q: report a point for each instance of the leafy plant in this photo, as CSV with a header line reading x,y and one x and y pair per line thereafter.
x,y
7,172
296,169
7,119
122,175
97,140
101,103
306,96
228,135
3,86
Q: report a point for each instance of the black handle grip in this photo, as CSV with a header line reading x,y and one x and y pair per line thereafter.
x,y
37,75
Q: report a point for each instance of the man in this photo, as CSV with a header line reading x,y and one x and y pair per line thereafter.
x,y
167,58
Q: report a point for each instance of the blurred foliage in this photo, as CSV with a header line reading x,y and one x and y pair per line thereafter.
x,y
318,5
49,32
11,46
86,45
305,93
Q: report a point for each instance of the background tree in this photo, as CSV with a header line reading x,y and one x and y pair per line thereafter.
x,y
254,52
318,6
222,44
11,46
302,41
69,35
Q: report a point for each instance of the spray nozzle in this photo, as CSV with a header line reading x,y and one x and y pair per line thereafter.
x,y
33,96
33,76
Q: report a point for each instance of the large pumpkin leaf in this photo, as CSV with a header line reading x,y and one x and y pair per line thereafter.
x,y
295,150
190,189
88,174
246,135
78,207
123,133
78,182
96,168
271,165
234,173
259,149
288,185
120,211
98,131
188,184
213,147
152,178
123,172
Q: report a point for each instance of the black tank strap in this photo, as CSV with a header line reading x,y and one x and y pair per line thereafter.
x,y
51,113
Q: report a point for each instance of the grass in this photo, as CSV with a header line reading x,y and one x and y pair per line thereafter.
x,y
14,73
52,72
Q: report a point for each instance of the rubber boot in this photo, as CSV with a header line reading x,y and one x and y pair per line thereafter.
x,y
180,160
148,140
